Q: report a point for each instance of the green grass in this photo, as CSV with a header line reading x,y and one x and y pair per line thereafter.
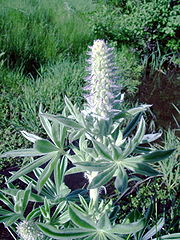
x,y
21,96
34,32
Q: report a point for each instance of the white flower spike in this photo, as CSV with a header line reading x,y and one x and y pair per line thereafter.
x,y
102,89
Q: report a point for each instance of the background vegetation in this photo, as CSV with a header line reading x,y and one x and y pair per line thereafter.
x,y
43,47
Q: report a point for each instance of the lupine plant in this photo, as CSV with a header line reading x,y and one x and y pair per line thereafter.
x,y
103,142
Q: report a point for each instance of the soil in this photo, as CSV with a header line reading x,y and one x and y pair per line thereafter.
x,y
4,234
162,90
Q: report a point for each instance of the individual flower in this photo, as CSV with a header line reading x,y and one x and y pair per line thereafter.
x,y
28,231
102,90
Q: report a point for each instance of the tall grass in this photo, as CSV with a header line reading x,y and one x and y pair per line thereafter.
x,y
20,101
34,32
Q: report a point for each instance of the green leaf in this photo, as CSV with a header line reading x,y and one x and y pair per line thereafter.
x,y
6,201
12,220
121,181
45,146
103,177
151,137
75,134
59,172
154,229
113,236
12,192
72,109
151,157
65,234
47,172
73,170
79,219
136,139
102,150
104,222
132,125
139,134
141,168
30,152
18,203
33,214
64,120
30,167
45,123
29,136
169,237
158,155
58,210
26,197
128,228
5,218
121,114
140,109
93,166
116,152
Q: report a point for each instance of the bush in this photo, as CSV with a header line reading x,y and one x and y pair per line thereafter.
x,y
139,23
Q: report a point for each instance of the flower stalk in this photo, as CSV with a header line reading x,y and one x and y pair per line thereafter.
x,y
103,93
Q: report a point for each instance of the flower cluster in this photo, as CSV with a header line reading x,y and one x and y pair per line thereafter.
x,y
102,90
29,231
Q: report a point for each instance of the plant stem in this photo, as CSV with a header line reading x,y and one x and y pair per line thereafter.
x,y
93,193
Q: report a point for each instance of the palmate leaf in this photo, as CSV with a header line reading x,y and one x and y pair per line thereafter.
x,y
45,123
64,234
9,219
59,133
72,108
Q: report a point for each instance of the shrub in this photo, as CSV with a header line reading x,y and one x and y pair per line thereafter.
x,y
140,23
